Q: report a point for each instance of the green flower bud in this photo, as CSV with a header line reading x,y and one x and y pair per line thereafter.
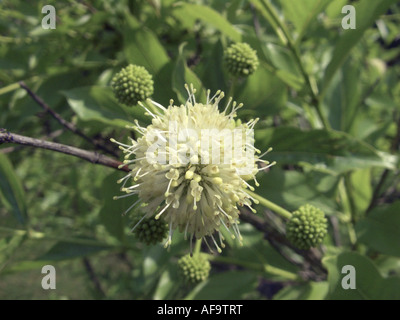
x,y
132,84
307,227
150,231
194,269
241,60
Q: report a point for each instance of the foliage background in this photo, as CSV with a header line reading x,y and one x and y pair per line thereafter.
x,y
328,100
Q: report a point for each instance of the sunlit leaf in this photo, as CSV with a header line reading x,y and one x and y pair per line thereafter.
x,y
192,12
98,104
141,47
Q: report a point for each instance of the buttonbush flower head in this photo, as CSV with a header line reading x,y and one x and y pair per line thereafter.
x,y
240,59
150,231
307,227
132,84
194,269
191,165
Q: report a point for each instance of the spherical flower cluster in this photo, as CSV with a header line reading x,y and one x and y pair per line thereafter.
x,y
241,60
132,84
150,231
307,227
191,165
194,269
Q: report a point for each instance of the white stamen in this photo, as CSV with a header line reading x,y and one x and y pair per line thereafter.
x,y
133,229
149,112
131,207
162,211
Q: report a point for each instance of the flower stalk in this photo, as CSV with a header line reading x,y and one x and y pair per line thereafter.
x,y
271,205
265,268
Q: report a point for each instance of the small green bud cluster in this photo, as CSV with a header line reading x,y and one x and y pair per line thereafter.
x,y
194,269
150,231
241,60
132,84
307,227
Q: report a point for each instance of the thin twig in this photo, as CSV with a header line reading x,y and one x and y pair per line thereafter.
x,y
377,190
93,277
336,231
382,179
93,157
70,126
256,22
51,136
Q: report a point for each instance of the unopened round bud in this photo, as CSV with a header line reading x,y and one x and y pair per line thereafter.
x,y
240,59
194,269
132,84
150,231
307,227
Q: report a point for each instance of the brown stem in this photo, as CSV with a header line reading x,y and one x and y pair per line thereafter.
x,y
394,147
70,126
93,277
256,22
377,191
93,157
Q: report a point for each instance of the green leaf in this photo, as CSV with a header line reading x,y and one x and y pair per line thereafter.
x,y
256,250
213,60
306,291
361,189
292,189
167,283
369,284
189,13
283,61
303,13
155,259
8,246
333,150
264,10
334,10
11,191
263,92
388,265
290,79
96,103
230,285
380,229
111,214
48,91
141,47
21,266
63,250
366,13
183,75
343,97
